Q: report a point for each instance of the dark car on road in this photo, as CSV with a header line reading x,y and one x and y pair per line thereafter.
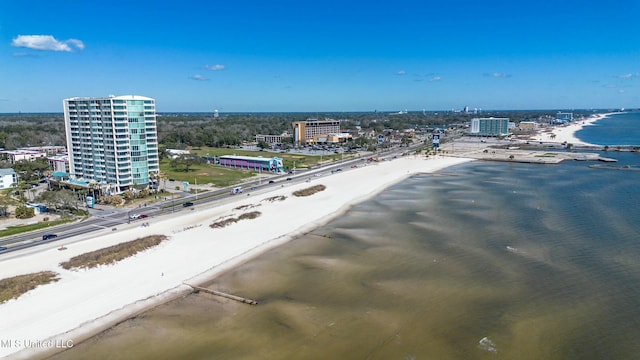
x,y
187,204
288,179
3,248
49,236
271,181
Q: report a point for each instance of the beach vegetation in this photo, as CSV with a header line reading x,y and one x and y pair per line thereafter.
x,y
232,220
112,254
276,198
309,191
13,287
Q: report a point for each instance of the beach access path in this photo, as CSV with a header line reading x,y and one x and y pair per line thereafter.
x,y
85,302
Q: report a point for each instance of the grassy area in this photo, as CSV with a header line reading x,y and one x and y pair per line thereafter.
x,y
204,174
309,191
221,176
13,230
302,161
13,287
112,254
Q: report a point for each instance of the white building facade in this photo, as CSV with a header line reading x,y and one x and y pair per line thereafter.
x,y
112,141
490,126
8,177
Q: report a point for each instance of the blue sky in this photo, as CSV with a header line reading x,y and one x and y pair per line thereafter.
x,y
254,56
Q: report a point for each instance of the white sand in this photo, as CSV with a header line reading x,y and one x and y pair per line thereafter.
x,y
566,133
84,302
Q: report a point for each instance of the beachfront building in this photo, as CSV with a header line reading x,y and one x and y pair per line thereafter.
x,y
8,177
111,141
273,164
528,125
306,132
490,126
564,117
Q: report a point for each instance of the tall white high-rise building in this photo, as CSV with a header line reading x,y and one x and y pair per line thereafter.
x,y
112,141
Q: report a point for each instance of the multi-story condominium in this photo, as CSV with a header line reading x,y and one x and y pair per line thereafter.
x,y
309,130
112,141
564,116
490,126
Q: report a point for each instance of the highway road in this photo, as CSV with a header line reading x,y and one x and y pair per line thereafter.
x,y
120,217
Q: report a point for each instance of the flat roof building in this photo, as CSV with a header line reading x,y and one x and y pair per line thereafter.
x,y
112,140
273,164
8,177
490,126
307,131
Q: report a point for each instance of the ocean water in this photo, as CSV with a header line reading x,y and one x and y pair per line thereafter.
x,y
616,129
480,261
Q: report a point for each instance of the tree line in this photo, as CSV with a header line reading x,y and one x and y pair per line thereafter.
x,y
180,131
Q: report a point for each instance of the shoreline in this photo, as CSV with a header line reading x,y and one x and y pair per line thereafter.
x,y
567,133
85,302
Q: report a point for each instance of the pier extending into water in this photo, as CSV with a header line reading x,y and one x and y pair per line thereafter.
x,y
223,294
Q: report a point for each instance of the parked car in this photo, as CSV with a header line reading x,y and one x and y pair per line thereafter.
x,y
187,204
271,181
134,216
288,179
3,248
142,216
49,236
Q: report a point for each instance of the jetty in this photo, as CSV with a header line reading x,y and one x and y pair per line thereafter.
x,y
222,294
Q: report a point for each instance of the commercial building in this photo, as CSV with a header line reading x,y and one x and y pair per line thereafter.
x,y
274,139
489,126
18,155
309,131
273,164
112,141
8,177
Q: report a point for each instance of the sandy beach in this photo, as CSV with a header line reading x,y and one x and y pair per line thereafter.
x,y
84,302
566,133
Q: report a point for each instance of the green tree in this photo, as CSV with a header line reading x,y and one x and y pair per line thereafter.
x,y
24,212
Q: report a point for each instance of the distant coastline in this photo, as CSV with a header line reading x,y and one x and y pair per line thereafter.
x,y
567,133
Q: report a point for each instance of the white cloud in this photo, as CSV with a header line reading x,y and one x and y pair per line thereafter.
x,y
627,76
198,78
46,42
401,72
216,67
436,78
498,75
